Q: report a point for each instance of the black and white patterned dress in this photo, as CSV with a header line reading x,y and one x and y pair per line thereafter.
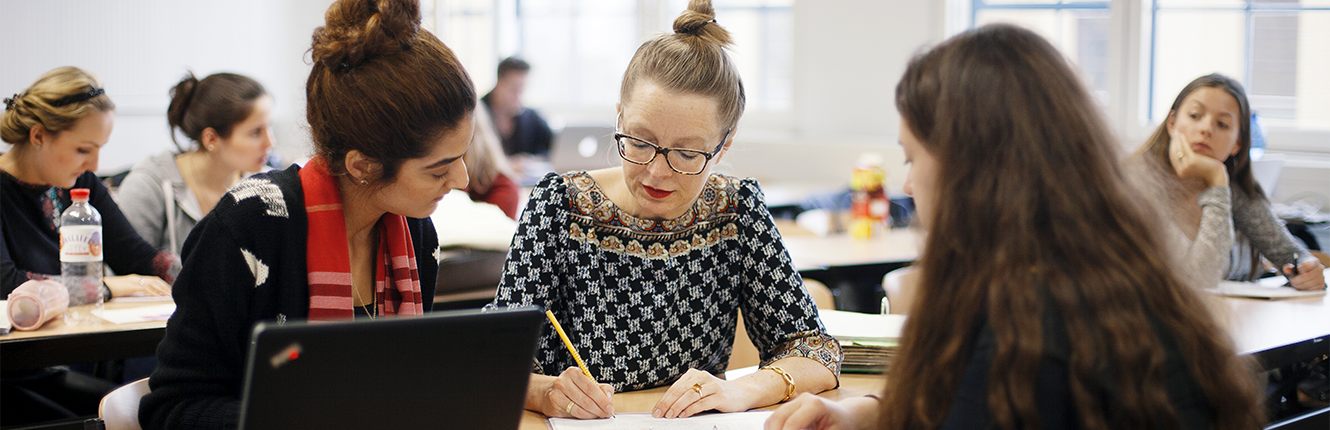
x,y
643,301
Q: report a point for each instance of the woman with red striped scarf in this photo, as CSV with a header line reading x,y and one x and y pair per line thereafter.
x,y
390,113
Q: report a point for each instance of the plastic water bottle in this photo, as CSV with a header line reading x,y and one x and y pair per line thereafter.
x,y
81,259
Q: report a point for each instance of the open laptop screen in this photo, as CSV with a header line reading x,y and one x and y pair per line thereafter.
x,y
456,370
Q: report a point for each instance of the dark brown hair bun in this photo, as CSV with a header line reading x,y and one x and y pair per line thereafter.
x,y
383,86
358,30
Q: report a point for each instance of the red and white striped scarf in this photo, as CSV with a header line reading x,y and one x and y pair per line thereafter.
x,y
397,287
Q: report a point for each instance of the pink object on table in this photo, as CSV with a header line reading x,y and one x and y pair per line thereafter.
x,y
36,302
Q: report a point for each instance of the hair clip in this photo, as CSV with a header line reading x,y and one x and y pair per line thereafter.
x,y
80,97
11,101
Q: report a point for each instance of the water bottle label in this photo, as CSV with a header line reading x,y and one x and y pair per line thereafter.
x,y
80,243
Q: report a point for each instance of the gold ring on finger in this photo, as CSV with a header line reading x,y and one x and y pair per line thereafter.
x,y
569,409
697,388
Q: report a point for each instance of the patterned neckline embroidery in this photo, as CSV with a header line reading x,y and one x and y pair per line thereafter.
x,y
595,219
588,199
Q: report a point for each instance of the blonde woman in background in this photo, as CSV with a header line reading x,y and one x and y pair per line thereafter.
x,y
490,174
58,126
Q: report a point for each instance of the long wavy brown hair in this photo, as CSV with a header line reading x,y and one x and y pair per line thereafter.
x,y
1032,210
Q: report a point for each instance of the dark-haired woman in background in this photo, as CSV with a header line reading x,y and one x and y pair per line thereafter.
x,y
227,116
649,264
390,113
1046,298
1201,157
58,126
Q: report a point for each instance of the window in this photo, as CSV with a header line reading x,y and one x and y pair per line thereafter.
x,y
1276,48
1080,29
578,49
762,31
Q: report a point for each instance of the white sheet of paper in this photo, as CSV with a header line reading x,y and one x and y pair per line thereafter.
x,y
752,420
5,326
140,314
1271,288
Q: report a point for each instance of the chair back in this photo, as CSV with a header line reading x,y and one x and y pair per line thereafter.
x,y
899,286
120,408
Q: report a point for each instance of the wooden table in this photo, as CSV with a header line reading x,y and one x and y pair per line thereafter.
x,y
851,385
840,250
56,343
1278,332
853,268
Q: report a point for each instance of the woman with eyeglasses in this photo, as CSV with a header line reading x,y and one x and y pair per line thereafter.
x,y
647,265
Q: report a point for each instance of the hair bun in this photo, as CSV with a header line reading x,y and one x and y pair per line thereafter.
x,y
359,30
700,20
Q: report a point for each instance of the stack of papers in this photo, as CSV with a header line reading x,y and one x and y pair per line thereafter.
x,y
869,340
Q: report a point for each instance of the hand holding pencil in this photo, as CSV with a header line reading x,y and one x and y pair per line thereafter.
x,y
574,393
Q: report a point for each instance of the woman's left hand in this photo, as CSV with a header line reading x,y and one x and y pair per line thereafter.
x,y
698,391
131,285
1311,275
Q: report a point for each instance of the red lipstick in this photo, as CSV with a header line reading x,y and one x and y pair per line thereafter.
x,y
659,194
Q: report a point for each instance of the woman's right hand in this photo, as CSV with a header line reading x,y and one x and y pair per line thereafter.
x,y
575,395
809,411
1188,164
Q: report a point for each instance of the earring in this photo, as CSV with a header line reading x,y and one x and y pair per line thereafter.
x,y
364,182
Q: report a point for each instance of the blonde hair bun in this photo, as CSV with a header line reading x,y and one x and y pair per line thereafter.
x,y
359,30
55,101
700,20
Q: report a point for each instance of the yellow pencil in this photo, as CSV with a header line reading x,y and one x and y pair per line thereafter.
x,y
569,344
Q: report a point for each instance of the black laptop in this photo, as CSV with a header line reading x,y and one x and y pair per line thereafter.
x,y
455,370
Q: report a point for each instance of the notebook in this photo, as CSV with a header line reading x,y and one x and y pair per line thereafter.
x,y
455,370
579,148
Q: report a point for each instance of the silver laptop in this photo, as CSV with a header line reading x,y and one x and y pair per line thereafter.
x,y
584,148
455,370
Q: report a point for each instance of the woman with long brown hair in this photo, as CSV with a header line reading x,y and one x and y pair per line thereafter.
x,y
1200,163
1045,299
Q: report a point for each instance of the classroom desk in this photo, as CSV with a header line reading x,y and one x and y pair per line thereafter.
x,y
56,343
1278,332
853,268
852,385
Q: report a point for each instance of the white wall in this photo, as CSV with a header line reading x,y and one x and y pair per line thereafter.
x,y
848,55
140,48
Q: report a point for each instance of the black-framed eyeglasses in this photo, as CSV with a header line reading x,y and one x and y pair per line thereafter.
x,y
682,161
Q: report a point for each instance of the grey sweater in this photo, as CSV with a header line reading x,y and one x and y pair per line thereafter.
x,y
1213,253
143,200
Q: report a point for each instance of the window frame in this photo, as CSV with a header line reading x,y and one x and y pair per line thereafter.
x,y
1132,50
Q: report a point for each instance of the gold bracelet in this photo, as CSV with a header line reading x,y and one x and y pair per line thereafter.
x,y
789,381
